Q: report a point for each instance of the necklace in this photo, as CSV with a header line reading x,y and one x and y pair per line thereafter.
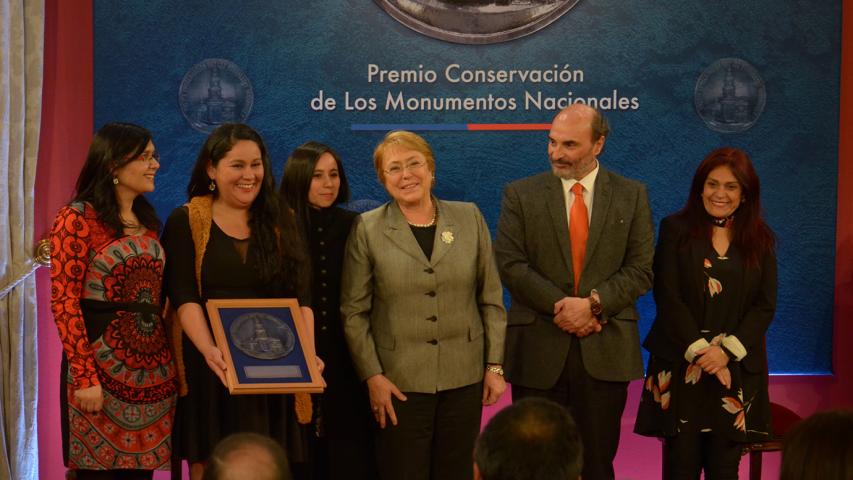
x,y
426,225
132,225
724,222
133,228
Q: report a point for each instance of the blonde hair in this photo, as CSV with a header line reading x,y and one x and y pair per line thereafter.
x,y
401,139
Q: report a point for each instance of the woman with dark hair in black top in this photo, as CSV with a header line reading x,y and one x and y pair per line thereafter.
x,y
313,185
715,290
231,240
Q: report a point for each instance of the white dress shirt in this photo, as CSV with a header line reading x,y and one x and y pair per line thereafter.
x,y
588,183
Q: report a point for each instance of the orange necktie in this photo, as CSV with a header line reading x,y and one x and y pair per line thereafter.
x,y
578,232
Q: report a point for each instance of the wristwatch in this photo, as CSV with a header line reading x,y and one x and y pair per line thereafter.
x,y
496,369
594,304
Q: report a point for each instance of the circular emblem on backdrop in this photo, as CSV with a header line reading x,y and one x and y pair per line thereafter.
x,y
730,95
264,336
476,21
214,92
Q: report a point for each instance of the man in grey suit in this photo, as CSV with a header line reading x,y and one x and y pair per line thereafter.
x,y
572,329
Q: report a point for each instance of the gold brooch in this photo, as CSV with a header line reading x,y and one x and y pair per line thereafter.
x,y
447,237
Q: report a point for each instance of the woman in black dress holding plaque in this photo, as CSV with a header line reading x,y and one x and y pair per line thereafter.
x,y
231,240
313,185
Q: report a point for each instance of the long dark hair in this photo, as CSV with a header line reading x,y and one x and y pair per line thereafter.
x,y
298,174
275,243
114,146
750,233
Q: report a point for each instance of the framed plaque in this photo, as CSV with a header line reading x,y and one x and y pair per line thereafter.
x,y
266,346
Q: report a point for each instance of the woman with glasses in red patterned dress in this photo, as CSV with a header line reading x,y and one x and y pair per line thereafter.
x,y
119,389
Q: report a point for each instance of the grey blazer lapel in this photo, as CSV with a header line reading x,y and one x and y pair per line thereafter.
x,y
445,233
398,232
556,202
601,205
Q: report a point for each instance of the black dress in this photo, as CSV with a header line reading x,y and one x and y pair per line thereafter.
x,y
209,413
343,421
680,397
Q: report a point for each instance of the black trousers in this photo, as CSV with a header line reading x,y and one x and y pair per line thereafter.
x,y
434,437
688,453
344,456
596,406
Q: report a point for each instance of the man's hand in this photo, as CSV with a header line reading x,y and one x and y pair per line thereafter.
x,y
594,327
573,315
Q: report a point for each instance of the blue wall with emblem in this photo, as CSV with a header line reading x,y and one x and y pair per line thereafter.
x,y
649,54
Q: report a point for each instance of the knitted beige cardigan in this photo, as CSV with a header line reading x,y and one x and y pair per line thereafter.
x,y
201,218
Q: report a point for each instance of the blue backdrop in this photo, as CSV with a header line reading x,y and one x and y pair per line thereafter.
x,y
651,53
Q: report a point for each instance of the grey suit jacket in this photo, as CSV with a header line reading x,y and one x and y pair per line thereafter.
x,y
535,262
427,325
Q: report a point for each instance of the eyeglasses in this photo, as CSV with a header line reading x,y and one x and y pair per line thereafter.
x,y
149,157
397,169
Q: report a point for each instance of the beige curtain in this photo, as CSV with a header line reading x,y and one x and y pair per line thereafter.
x,y
21,60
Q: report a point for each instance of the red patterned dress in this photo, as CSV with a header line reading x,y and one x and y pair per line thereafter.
x,y
105,296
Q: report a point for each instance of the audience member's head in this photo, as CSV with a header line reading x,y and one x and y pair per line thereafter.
x,y
532,439
247,456
820,447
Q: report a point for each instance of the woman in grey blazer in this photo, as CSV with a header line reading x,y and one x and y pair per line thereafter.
x,y
424,317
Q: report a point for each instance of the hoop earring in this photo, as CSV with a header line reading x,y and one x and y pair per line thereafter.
x,y
212,186
115,180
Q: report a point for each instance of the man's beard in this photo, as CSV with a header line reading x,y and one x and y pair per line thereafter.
x,y
568,171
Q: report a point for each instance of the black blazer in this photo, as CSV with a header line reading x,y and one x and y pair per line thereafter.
x,y
327,234
679,295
